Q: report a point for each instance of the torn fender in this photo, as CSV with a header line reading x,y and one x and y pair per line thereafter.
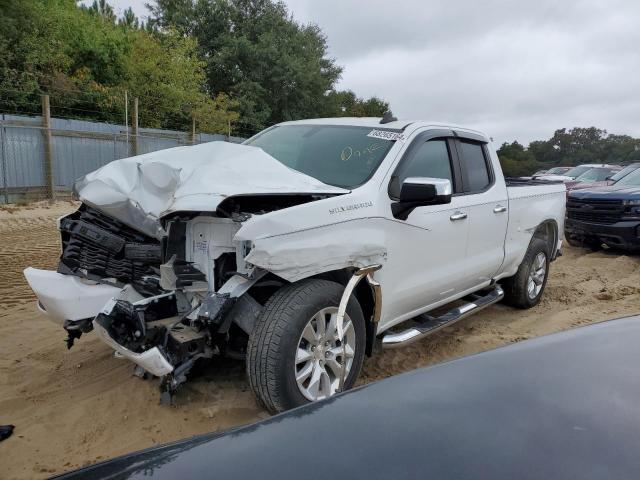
x,y
300,254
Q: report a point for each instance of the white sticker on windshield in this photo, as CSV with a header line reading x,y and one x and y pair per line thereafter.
x,y
386,135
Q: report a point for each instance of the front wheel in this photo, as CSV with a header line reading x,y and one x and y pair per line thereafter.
x,y
525,288
294,354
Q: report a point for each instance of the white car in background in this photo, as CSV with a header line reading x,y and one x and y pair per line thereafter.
x,y
573,173
257,251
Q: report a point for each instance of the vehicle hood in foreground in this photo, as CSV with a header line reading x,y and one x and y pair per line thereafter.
x,y
561,406
140,190
612,192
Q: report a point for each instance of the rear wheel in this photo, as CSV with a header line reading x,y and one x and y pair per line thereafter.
x,y
295,355
525,288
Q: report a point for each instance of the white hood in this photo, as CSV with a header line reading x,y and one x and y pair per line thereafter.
x,y
554,178
140,190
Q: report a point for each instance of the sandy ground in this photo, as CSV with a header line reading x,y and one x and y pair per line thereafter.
x,y
80,406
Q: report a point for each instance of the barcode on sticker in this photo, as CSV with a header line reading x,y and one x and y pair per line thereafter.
x,y
386,135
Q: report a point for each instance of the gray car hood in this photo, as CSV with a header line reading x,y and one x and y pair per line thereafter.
x,y
140,190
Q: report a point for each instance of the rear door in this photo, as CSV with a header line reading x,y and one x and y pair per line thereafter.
x,y
487,201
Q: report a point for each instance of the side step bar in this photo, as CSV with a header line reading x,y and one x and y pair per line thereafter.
x,y
433,324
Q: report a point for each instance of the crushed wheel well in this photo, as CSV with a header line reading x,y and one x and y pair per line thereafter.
x,y
548,231
363,294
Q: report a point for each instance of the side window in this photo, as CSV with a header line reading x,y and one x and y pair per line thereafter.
x,y
474,166
431,159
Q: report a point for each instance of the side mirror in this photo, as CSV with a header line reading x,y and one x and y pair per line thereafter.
x,y
420,191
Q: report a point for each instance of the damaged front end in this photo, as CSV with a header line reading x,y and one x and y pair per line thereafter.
x,y
152,261
162,304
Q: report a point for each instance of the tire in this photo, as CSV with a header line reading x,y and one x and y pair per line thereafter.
x,y
280,334
517,289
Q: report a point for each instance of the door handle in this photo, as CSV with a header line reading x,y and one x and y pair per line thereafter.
x,y
458,216
500,209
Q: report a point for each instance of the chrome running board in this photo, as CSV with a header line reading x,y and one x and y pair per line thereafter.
x,y
432,324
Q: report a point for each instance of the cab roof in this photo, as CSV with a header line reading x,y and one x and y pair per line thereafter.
x,y
374,122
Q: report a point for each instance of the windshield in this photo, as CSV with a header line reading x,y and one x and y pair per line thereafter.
x,y
577,171
631,180
557,171
624,172
342,156
594,175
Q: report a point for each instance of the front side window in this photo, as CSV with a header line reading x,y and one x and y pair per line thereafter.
x,y
342,156
431,160
474,166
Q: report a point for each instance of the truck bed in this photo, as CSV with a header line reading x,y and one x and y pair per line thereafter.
x,y
528,182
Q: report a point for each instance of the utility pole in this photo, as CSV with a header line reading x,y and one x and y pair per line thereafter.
x,y
48,149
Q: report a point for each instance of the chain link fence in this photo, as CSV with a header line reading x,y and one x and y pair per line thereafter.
x,y
40,157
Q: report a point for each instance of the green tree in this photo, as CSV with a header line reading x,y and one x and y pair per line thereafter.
x,y
516,160
29,51
102,9
167,76
276,68
346,104
129,19
85,62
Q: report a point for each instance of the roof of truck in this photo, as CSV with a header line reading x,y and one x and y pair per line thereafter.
x,y
374,122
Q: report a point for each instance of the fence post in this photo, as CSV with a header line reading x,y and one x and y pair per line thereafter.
x,y
134,126
3,137
48,148
193,130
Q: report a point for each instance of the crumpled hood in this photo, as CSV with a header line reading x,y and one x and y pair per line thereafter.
x,y
140,190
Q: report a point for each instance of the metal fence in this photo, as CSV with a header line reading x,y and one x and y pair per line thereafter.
x,y
41,157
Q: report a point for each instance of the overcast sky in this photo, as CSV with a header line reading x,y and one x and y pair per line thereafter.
x,y
516,70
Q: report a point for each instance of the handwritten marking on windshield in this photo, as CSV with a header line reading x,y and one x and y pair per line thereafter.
x,y
348,151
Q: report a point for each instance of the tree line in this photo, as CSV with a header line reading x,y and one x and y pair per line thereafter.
x,y
244,64
569,147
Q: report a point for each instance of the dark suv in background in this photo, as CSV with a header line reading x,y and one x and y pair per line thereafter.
x,y
609,215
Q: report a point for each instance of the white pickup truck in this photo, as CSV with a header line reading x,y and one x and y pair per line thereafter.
x,y
298,251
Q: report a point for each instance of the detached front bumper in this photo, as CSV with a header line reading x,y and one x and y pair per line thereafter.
x,y
151,360
68,298
625,235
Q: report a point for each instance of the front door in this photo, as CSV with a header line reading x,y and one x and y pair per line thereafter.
x,y
426,252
